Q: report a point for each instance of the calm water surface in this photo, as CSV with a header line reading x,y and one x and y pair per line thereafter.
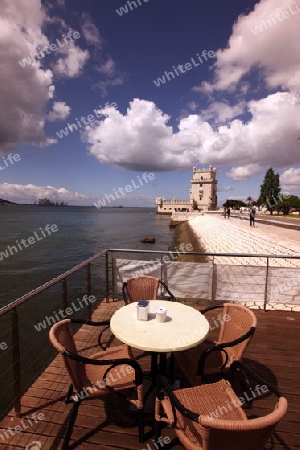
x,y
82,232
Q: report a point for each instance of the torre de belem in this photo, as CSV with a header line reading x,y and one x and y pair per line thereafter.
x,y
203,194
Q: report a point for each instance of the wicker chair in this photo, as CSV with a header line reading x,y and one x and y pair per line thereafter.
x,y
98,375
210,416
237,326
143,288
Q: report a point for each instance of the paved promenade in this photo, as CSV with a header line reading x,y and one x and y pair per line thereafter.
x,y
235,235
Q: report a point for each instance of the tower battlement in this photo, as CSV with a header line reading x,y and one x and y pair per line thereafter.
x,y
202,194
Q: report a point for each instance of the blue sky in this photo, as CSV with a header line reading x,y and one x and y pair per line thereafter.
x,y
228,96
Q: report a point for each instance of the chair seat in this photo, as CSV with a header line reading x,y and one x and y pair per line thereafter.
x,y
118,378
210,416
188,361
215,401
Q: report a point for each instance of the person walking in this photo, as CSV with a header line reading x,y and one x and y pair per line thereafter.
x,y
252,217
228,212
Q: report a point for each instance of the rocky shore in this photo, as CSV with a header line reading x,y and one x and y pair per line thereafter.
x,y
184,234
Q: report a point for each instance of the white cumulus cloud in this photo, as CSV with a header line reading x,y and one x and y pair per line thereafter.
x,y
24,91
243,173
91,32
27,84
72,61
31,193
275,50
60,111
142,139
222,112
290,179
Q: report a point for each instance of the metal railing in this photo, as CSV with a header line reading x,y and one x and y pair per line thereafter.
x,y
106,257
259,260
13,309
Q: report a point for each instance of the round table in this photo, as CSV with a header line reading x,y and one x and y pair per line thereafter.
x,y
185,327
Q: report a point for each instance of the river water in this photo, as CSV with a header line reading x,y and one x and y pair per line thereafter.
x,y
78,233
38,243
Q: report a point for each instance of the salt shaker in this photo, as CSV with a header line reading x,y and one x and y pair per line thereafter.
x,y
142,310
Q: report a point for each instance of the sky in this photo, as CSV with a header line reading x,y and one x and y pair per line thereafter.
x,y
114,102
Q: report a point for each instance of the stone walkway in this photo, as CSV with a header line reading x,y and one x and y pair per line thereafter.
x,y
235,235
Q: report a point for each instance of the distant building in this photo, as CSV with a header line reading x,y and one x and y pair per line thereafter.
x,y
47,202
203,194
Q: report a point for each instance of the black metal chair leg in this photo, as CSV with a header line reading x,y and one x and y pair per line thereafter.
x,y
141,425
171,367
153,365
71,421
162,363
157,430
69,394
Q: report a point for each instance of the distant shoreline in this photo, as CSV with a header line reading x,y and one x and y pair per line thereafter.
x,y
75,206
6,202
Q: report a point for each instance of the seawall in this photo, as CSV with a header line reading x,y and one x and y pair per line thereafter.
x,y
184,234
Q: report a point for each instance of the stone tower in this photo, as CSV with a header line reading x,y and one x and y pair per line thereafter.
x,y
203,190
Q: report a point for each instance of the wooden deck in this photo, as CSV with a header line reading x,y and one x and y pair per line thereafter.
x,y
274,353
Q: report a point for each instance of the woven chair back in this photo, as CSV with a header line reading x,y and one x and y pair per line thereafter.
x,y
237,321
236,435
142,288
212,434
61,337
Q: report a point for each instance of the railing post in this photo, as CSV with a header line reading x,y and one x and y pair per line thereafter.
x,y
16,361
89,289
266,285
65,292
107,278
162,273
213,280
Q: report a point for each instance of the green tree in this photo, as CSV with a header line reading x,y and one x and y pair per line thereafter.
x,y
270,190
249,200
234,204
286,203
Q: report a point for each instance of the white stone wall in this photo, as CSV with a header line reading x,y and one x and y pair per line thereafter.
x,y
169,206
204,188
203,191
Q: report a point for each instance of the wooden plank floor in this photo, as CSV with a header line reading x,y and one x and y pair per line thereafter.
x,y
108,424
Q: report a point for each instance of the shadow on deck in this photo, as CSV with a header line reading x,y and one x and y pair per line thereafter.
x,y
274,353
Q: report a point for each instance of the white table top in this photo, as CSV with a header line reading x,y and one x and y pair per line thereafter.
x,y
184,327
